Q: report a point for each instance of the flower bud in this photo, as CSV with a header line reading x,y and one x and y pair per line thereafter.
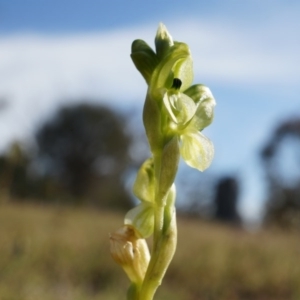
x,y
163,41
131,252
144,186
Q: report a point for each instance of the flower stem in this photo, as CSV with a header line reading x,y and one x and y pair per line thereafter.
x,y
133,292
164,241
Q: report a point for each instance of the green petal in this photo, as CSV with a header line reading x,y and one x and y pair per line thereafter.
x,y
142,218
204,114
183,69
144,187
144,58
180,107
176,64
163,41
199,92
197,150
169,105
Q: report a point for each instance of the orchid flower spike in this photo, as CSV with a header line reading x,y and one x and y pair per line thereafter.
x,y
178,107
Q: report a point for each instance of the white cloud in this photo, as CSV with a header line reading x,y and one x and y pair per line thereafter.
x,y
259,54
38,72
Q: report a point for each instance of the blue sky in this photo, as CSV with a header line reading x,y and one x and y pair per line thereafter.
x,y
247,52
90,15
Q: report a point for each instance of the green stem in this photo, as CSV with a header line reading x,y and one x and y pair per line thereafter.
x,y
164,241
133,292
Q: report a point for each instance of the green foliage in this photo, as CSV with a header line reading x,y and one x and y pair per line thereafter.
x,y
61,253
13,173
85,148
83,154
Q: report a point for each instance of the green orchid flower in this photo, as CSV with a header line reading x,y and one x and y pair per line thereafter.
x,y
173,106
195,148
175,113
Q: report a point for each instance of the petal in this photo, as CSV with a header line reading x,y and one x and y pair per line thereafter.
x,y
183,69
176,64
168,102
197,150
142,218
187,109
199,92
204,114
180,107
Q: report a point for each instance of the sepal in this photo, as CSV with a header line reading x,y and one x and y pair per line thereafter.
x,y
152,123
144,58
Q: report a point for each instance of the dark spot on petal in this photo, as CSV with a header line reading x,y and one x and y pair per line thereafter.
x,y
176,83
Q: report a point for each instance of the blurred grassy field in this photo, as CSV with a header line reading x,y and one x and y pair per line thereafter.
x,y
63,253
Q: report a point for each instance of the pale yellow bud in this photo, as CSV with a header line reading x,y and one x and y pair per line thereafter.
x,y
131,252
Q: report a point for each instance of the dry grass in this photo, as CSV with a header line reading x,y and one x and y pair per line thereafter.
x,y
59,253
